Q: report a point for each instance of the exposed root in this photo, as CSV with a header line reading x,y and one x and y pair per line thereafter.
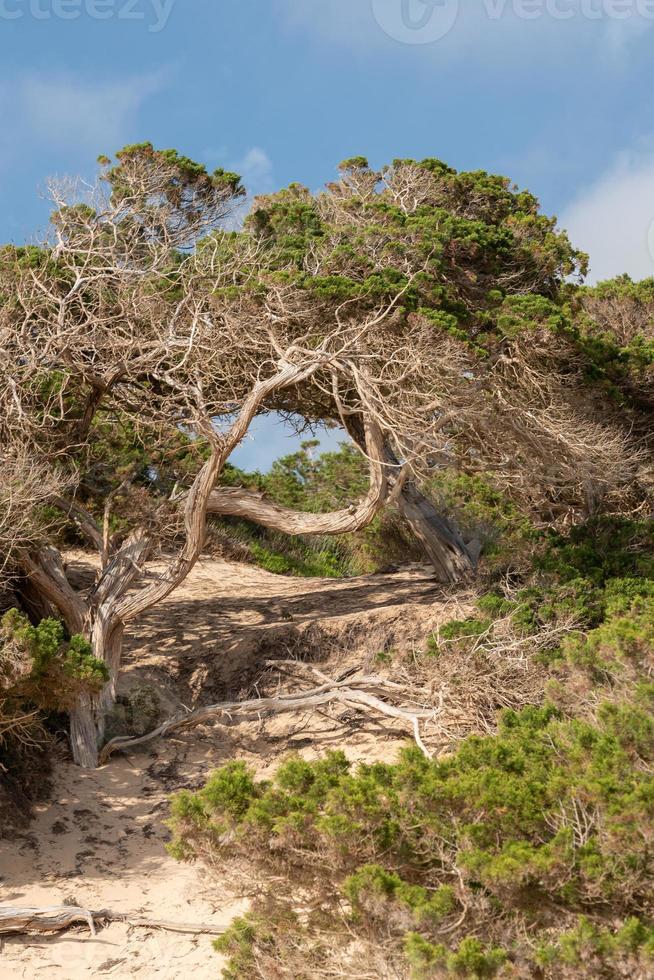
x,y
359,693
59,918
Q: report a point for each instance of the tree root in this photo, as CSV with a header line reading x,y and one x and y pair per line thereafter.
x,y
59,918
361,694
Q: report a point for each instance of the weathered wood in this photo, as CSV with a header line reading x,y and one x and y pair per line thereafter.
x,y
359,693
46,572
59,918
453,560
111,607
53,918
238,502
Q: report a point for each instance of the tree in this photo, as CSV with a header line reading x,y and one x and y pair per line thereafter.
x,y
420,308
123,323
468,261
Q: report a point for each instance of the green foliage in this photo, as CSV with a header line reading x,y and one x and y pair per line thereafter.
x,y
56,669
593,947
460,235
620,643
237,942
354,163
41,672
613,328
472,959
506,808
464,629
317,483
337,479
550,812
373,891
600,550
485,514
524,313
184,173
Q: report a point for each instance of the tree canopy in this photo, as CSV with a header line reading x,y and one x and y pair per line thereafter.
x,y
429,312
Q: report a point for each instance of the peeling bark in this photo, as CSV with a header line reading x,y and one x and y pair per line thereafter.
x,y
46,573
84,732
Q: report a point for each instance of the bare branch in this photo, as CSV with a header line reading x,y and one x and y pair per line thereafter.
x,y
359,693
60,918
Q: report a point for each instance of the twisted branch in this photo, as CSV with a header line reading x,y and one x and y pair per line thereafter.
x,y
361,694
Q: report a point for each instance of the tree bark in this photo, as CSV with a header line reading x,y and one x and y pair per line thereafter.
x,y
59,918
110,608
47,575
238,502
103,613
453,560
88,717
84,740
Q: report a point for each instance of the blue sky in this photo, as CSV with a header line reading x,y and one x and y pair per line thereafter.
x,y
554,93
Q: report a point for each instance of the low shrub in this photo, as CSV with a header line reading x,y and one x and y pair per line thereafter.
x,y
527,852
41,672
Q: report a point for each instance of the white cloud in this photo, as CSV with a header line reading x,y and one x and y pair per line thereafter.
x,y
503,31
255,167
67,110
256,170
613,219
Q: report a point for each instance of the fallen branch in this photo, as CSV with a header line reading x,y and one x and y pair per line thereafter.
x,y
359,693
59,918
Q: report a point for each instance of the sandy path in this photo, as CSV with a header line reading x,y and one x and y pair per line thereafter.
x,y
100,844
100,841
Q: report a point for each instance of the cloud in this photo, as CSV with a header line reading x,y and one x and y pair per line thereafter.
x,y
255,167
503,31
64,116
69,111
256,170
613,218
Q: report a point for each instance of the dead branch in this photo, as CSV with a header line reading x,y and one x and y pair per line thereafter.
x,y
364,693
59,918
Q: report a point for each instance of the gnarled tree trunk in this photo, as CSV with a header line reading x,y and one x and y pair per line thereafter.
x,y
103,614
85,736
88,717
453,560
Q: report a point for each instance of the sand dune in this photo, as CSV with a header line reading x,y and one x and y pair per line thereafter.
x,y
100,841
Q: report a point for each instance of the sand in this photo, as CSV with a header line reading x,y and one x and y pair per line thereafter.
x,y
99,842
